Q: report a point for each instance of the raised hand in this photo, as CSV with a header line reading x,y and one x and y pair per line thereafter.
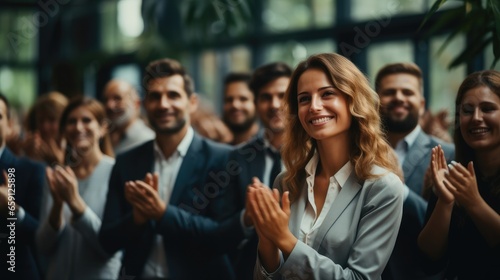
x,y
145,199
271,219
66,186
439,169
463,184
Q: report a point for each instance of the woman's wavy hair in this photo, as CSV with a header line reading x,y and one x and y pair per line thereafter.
x,y
369,146
463,152
98,111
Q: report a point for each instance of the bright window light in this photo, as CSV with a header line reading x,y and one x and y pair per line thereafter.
x,y
130,18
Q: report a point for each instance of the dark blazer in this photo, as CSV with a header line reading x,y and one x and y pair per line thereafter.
x,y
418,159
29,180
200,222
404,262
251,160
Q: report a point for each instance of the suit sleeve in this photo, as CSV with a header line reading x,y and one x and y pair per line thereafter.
x,y
377,232
214,224
26,229
118,228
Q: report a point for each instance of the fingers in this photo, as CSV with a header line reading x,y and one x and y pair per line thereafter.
x,y
156,179
442,158
276,195
470,167
286,203
5,178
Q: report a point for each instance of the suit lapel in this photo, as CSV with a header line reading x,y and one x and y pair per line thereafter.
x,y
188,171
344,198
297,210
415,154
6,161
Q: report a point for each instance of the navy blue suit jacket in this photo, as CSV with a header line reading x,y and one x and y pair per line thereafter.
x,y
405,262
29,180
251,160
200,222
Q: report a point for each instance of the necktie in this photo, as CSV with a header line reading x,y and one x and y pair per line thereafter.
x,y
276,165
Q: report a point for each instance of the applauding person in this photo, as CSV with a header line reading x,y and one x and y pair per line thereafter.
x,y
341,201
68,236
463,227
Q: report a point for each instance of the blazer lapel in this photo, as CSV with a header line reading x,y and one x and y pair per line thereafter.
x,y
415,154
187,173
344,198
297,210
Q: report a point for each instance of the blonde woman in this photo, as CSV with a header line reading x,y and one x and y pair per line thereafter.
x,y
341,200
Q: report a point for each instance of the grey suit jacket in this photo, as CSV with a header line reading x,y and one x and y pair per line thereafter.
x,y
418,160
356,239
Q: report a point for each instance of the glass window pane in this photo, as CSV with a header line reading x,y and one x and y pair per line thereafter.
x,y
293,52
286,15
323,12
369,9
240,59
19,33
18,85
445,83
384,53
489,58
209,75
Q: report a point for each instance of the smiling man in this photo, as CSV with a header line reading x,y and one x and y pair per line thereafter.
x,y
166,197
239,107
260,157
402,103
122,103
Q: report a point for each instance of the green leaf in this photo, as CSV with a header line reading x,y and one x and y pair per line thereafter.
x,y
469,53
452,15
433,9
473,19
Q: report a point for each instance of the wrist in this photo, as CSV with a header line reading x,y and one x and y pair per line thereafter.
x,y
77,206
287,244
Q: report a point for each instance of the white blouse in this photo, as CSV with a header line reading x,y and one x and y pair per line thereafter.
x,y
312,220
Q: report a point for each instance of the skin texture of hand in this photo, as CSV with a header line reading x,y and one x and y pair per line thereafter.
x,y
439,170
464,185
50,152
64,186
4,196
145,199
271,219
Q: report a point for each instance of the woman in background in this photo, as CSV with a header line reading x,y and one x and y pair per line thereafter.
x,y
463,228
43,141
68,235
341,200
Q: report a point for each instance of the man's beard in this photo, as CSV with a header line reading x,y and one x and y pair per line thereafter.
x,y
241,127
406,125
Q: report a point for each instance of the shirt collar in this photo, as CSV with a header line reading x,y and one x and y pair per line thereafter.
x,y
2,149
341,176
183,146
412,136
267,144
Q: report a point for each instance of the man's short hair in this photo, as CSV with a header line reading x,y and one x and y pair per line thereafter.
x,y
166,68
399,68
267,73
237,77
7,105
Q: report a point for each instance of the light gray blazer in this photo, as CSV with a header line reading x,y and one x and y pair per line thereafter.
x,y
356,238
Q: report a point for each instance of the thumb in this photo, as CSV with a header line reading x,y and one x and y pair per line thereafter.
x,y
286,203
470,166
276,195
156,178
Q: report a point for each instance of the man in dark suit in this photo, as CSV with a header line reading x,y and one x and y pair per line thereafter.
x,y
172,224
20,197
400,88
260,157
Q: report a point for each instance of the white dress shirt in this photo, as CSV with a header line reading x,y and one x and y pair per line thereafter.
x,y
312,220
167,169
404,145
